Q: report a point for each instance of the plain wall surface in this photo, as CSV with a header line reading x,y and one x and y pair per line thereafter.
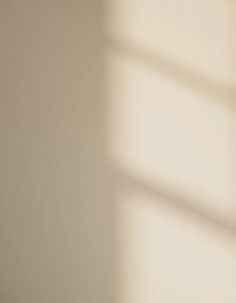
x,y
56,216
117,151
171,95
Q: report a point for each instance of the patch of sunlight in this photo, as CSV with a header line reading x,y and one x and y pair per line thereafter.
x,y
168,258
171,117
170,134
194,33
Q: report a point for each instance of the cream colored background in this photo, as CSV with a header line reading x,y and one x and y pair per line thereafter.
x,y
117,158
171,88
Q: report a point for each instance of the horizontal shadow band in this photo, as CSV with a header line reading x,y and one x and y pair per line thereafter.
x,y
179,203
223,94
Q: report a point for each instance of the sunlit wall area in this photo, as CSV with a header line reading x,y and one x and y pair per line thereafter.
x,y
195,34
171,138
168,257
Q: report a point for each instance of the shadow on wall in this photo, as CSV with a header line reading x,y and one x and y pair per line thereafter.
x,y
58,186
156,263
57,220
182,205
220,92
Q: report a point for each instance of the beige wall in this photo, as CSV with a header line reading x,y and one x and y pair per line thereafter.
x,y
172,128
117,151
56,216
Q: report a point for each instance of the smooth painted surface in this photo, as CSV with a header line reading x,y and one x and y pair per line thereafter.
x,y
56,211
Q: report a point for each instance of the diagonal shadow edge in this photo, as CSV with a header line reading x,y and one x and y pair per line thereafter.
x,y
223,94
178,202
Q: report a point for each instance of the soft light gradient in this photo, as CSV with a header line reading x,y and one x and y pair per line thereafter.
x,y
171,120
